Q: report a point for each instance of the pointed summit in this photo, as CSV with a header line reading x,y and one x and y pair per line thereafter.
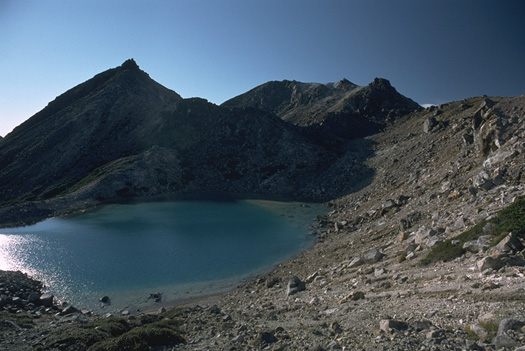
x,y
130,64
345,84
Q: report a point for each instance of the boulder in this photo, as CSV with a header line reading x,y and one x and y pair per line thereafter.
x,y
503,341
430,124
478,330
389,325
46,300
509,324
513,260
480,244
389,204
511,243
483,181
423,234
372,256
68,310
295,285
433,241
33,297
490,263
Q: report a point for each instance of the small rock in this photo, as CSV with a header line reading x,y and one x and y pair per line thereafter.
x,y
214,310
104,299
431,314
433,241
389,204
356,262
429,124
478,330
336,327
334,345
435,334
69,310
420,325
423,234
271,282
311,277
266,338
295,285
489,286
353,296
239,339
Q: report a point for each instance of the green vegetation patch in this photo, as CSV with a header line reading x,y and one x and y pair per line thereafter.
x,y
112,334
509,219
22,320
142,338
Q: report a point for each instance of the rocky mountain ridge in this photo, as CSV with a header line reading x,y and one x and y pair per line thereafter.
x,y
121,136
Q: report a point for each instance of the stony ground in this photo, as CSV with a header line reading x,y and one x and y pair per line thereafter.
x,y
363,286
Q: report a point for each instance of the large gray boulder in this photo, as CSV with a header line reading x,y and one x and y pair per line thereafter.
x,y
372,256
46,300
510,244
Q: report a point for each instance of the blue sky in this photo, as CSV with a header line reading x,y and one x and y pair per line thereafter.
x,y
432,51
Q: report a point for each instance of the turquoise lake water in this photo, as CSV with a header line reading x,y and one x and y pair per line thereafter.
x,y
182,249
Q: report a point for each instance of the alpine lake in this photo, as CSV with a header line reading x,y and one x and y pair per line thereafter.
x,y
147,255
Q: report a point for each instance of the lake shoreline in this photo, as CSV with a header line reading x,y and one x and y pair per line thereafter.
x,y
31,212
136,300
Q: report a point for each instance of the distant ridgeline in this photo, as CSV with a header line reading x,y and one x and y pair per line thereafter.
x,y
121,136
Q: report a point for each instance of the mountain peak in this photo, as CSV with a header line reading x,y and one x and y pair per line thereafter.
x,y
381,83
130,64
344,84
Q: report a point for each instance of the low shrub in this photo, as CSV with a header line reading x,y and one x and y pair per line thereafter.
x,y
509,219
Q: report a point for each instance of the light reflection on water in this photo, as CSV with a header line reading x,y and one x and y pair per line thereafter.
x,y
181,249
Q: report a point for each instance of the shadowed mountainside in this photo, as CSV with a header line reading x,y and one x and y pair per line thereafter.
x,y
122,136
340,109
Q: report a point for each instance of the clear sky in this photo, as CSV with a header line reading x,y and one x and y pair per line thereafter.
x,y
432,51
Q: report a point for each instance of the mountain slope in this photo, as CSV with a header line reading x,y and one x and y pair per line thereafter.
x,y
342,109
96,122
122,136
